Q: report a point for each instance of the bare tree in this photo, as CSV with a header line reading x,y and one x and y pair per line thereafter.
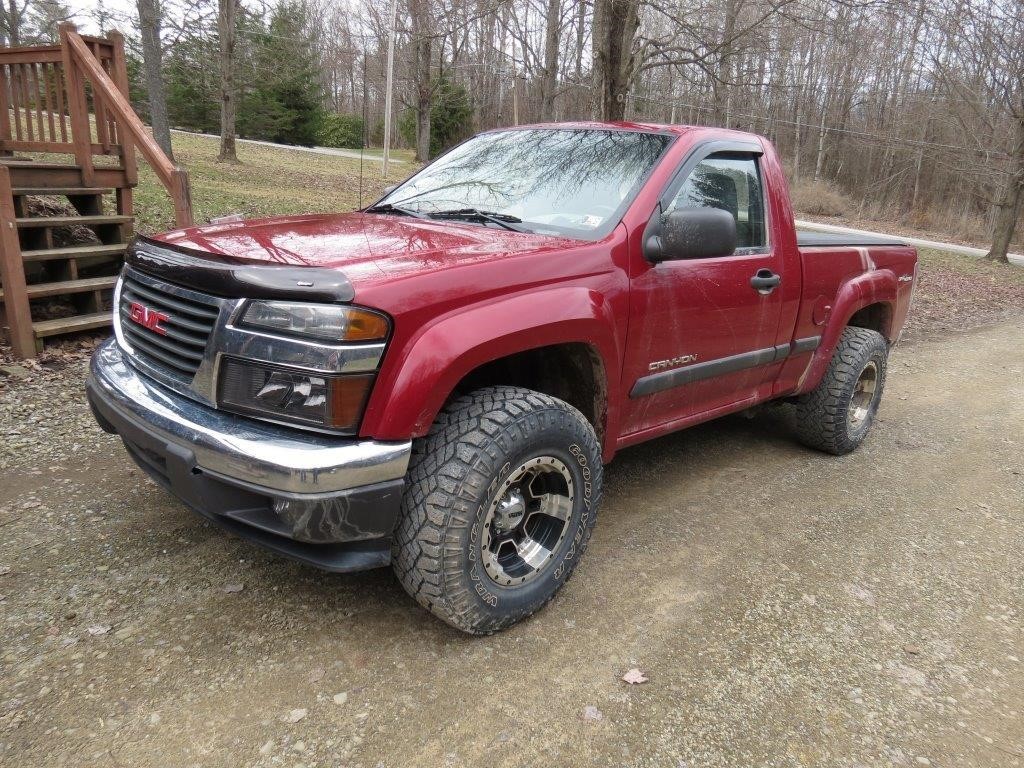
x,y
422,41
985,69
150,19
616,23
552,40
226,29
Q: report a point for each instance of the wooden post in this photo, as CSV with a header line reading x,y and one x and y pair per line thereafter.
x,y
5,107
121,78
182,196
17,313
81,133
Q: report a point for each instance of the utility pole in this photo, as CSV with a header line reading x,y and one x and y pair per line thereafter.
x,y
387,88
515,98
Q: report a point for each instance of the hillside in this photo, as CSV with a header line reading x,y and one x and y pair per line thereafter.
x,y
268,181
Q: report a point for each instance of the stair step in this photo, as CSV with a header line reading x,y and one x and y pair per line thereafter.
x,y
67,191
21,162
71,324
64,287
74,252
70,221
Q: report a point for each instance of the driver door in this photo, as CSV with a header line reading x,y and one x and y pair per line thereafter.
x,y
701,336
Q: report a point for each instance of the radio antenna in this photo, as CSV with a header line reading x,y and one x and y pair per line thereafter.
x,y
365,137
361,174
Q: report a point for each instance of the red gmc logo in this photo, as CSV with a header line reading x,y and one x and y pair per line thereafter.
x,y
147,318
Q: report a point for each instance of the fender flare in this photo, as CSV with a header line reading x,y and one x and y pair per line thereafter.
x,y
417,379
876,287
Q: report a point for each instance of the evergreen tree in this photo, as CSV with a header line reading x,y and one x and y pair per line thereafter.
x,y
189,70
281,95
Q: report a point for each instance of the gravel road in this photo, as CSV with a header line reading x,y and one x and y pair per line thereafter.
x,y
789,608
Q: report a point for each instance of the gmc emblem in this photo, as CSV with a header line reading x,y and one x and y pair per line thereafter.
x,y
147,318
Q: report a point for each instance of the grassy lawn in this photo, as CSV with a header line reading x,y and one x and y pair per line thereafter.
x,y
267,181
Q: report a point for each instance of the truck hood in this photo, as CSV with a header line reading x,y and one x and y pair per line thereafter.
x,y
367,247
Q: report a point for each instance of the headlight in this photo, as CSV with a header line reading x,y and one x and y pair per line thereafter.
x,y
330,402
326,322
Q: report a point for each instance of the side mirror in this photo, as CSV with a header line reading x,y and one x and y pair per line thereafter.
x,y
389,189
692,233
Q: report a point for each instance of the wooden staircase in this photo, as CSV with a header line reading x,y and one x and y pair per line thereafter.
x,y
66,213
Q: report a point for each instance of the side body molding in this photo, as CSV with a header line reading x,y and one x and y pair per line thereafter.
x,y
418,377
875,287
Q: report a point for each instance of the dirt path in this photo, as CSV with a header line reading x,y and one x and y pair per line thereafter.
x,y
790,608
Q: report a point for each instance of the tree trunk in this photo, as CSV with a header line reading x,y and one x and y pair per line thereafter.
x,y
581,32
14,15
549,80
615,26
152,57
819,163
722,83
226,31
420,13
1011,201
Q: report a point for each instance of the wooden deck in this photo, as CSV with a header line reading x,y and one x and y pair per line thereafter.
x,y
66,220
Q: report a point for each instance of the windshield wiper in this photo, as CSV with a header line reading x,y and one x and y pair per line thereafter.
x,y
505,220
389,208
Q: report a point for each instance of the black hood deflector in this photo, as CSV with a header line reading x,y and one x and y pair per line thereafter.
x,y
224,276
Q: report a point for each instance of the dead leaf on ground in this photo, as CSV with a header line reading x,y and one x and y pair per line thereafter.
x,y
634,677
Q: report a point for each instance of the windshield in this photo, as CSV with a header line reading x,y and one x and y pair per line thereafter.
x,y
575,182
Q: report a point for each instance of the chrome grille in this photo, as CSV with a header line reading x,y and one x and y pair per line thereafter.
x,y
187,324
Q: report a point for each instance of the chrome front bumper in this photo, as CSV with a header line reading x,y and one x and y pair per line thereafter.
x,y
328,502
274,460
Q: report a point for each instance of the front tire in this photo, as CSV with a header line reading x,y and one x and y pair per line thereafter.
x,y
837,415
501,499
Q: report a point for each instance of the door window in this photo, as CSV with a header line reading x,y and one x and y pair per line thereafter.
x,y
732,183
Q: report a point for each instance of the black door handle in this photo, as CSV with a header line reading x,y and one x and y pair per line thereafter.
x,y
765,281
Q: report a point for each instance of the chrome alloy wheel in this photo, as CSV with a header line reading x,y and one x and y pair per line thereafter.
x,y
863,396
527,520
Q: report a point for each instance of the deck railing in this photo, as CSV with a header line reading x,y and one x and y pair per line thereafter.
x,y
72,98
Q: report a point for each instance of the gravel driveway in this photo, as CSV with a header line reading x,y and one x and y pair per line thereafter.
x,y
789,608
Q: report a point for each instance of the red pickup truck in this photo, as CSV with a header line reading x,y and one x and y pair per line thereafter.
x,y
436,381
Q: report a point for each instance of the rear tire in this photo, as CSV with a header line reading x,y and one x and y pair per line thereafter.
x,y
501,499
837,415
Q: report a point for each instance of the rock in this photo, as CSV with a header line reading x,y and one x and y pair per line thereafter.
x,y
14,371
232,588
913,650
922,760
592,713
98,629
296,715
340,698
